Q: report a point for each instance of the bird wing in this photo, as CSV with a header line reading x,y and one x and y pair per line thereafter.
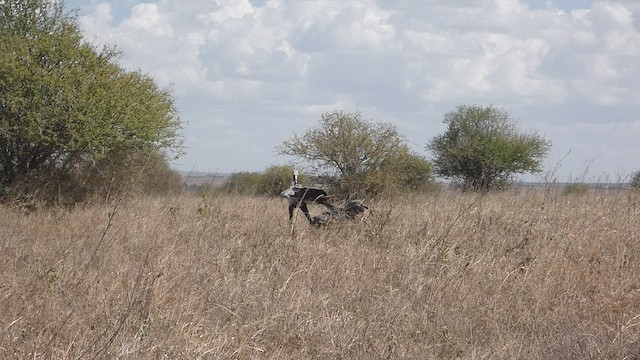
x,y
288,193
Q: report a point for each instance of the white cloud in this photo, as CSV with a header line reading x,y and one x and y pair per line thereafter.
x,y
97,22
242,71
226,10
148,19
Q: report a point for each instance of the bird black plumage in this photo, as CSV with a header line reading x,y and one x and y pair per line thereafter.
x,y
298,196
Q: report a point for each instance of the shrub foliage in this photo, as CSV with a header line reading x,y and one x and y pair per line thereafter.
x,y
357,157
271,182
635,181
576,189
482,147
67,110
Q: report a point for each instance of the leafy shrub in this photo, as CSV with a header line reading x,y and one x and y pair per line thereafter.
x,y
271,182
357,157
576,189
482,148
158,178
277,178
246,183
120,173
410,172
635,181
69,114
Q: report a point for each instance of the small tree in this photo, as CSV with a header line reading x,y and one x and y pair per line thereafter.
x,y
66,108
482,148
354,156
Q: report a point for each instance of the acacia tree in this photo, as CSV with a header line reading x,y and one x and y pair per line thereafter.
x,y
65,106
482,148
355,156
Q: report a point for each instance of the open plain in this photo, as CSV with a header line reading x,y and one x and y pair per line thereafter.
x,y
522,274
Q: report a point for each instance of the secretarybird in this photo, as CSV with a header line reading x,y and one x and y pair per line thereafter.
x,y
298,196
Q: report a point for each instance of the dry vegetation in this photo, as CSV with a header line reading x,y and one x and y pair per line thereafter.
x,y
516,275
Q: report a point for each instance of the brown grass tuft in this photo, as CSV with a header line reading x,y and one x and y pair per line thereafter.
x,y
514,275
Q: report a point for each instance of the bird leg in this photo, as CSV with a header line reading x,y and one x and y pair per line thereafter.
x,y
292,206
301,204
305,210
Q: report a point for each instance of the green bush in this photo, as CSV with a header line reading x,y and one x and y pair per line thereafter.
x,y
410,172
246,183
482,148
69,114
121,173
576,189
277,178
131,172
635,181
271,182
356,157
158,178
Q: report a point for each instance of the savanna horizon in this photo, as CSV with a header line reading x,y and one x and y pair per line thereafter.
x,y
528,274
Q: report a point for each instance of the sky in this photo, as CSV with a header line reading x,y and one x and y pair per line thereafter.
x,y
249,74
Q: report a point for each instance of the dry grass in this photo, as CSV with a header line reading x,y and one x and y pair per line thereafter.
x,y
517,275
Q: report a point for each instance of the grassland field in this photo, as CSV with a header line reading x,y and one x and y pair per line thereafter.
x,y
521,274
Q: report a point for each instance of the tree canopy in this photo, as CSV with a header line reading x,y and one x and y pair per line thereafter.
x,y
482,148
356,156
66,106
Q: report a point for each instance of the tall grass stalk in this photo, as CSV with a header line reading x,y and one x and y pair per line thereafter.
x,y
513,275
